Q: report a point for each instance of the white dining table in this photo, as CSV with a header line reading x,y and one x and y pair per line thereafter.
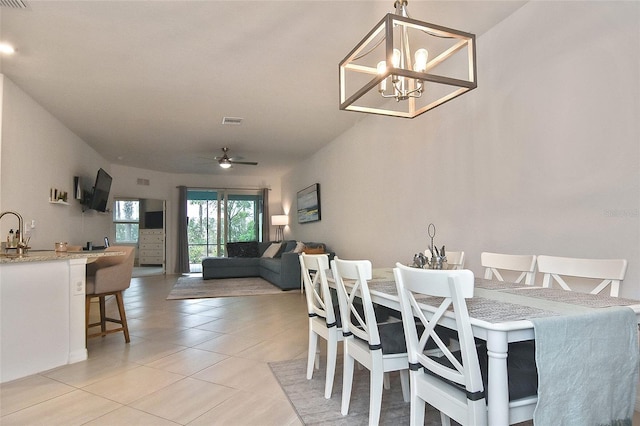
x,y
501,313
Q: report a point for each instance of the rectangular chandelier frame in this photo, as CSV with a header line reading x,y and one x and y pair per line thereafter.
x,y
350,69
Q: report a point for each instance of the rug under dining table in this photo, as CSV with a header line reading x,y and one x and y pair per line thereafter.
x,y
307,397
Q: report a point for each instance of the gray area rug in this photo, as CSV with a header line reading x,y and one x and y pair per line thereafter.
x,y
307,396
197,288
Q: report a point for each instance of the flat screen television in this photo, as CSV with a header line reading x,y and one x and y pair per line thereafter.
x,y
154,220
100,196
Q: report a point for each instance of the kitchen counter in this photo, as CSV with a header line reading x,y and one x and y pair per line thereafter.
x,y
48,255
42,311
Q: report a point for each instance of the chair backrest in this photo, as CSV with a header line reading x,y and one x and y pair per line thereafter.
x,y
610,271
314,275
454,286
455,259
356,273
112,273
496,262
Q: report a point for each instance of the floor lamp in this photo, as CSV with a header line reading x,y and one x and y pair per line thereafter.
x,y
279,220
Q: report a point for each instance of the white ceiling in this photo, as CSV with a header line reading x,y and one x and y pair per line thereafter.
x,y
147,83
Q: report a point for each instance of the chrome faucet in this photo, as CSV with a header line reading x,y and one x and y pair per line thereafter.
x,y
20,225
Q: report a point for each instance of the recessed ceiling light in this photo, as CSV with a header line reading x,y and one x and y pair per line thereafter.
x,y
6,49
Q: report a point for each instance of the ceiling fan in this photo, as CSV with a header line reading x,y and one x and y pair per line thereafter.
x,y
225,161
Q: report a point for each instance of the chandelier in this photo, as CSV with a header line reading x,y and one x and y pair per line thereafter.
x,y
404,67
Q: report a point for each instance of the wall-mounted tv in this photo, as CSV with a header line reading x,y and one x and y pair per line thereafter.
x,y
153,220
309,204
100,195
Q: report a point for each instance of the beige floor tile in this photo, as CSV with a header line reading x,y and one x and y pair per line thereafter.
x,y
73,408
133,384
185,400
129,416
188,361
229,344
32,390
243,374
93,370
249,409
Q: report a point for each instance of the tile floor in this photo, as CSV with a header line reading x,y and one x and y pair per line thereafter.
x,y
190,362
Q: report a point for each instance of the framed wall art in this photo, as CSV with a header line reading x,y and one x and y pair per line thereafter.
x,y
309,204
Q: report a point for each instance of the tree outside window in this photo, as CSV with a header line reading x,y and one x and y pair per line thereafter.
x,y
126,218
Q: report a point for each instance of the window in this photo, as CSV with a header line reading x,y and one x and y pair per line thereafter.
x,y
218,216
126,219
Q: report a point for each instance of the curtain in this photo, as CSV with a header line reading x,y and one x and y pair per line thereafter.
x,y
266,217
182,260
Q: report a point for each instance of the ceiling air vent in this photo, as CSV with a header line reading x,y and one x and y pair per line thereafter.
x,y
144,182
232,121
15,4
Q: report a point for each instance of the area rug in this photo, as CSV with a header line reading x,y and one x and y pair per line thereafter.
x,y
307,396
197,288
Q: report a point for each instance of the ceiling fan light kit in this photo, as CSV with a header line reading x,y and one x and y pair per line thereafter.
x,y
225,162
404,67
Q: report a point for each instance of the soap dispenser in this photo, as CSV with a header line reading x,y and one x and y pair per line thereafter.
x,y
11,239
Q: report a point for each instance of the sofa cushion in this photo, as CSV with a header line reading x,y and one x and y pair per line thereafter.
x,y
242,249
274,265
273,250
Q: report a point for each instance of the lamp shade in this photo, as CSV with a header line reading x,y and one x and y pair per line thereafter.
x,y
279,220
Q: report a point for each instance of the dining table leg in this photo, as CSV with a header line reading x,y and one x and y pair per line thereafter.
x,y
498,386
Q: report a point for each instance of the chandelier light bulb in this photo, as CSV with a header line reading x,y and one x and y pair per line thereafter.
x,y
396,58
382,68
421,57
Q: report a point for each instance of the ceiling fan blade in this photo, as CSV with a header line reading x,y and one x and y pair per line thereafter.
x,y
248,163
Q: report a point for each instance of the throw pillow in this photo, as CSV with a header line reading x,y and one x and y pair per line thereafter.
x,y
299,247
242,249
272,250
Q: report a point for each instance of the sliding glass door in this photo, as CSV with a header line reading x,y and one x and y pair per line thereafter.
x,y
218,216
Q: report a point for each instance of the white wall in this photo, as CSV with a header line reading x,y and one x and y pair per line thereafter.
x,y
38,153
542,158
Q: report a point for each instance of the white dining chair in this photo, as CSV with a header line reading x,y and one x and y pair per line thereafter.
x,y
379,347
322,318
455,383
610,271
496,264
455,260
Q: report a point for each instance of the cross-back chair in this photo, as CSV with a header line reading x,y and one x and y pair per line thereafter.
x,y
322,317
378,347
455,382
610,271
496,264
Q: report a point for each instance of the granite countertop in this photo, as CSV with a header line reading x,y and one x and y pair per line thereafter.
x,y
48,255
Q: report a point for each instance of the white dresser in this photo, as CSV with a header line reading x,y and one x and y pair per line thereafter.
x,y
151,247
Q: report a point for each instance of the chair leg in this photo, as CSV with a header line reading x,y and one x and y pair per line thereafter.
x,y
386,381
103,310
404,382
416,409
347,382
123,316
376,380
87,307
332,354
311,357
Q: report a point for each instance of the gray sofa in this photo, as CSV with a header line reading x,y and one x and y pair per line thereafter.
x,y
244,260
